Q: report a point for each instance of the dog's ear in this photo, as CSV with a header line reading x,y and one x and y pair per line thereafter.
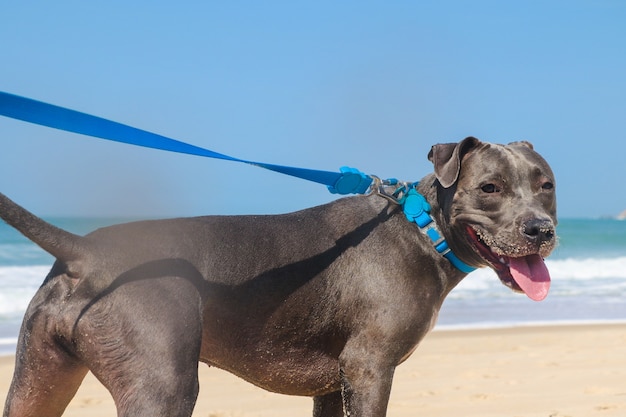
x,y
447,159
522,143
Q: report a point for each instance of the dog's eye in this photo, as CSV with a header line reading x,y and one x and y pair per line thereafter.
x,y
490,188
547,186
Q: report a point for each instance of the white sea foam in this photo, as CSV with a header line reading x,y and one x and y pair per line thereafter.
x,y
18,284
588,269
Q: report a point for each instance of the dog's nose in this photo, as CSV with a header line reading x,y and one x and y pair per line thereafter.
x,y
539,230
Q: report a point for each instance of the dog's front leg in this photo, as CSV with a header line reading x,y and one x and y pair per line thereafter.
x,y
366,382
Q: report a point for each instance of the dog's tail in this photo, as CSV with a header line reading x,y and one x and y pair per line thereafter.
x,y
61,244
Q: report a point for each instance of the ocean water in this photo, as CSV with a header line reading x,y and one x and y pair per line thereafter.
x,y
588,271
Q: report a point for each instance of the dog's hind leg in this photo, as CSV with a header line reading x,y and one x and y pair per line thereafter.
x,y
142,341
163,388
46,378
329,405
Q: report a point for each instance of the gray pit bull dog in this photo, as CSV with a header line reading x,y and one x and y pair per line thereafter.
x,y
323,302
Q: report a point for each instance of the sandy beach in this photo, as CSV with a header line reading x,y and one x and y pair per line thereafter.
x,y
551,371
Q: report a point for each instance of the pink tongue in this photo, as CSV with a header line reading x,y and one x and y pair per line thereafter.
x,y
531,275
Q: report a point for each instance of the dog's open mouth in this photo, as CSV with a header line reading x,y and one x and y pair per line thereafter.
x,y
527,274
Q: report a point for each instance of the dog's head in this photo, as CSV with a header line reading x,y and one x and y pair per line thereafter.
x,y
499,203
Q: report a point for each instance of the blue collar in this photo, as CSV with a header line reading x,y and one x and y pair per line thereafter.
x,y
417,210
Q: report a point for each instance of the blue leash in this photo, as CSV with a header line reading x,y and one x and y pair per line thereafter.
x,y
347,181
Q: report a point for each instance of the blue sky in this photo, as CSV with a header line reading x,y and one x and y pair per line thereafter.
x,y
312,84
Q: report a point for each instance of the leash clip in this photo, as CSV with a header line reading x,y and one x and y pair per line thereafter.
x,y
397,195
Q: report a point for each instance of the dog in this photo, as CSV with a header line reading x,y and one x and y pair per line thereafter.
x,y
323,302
